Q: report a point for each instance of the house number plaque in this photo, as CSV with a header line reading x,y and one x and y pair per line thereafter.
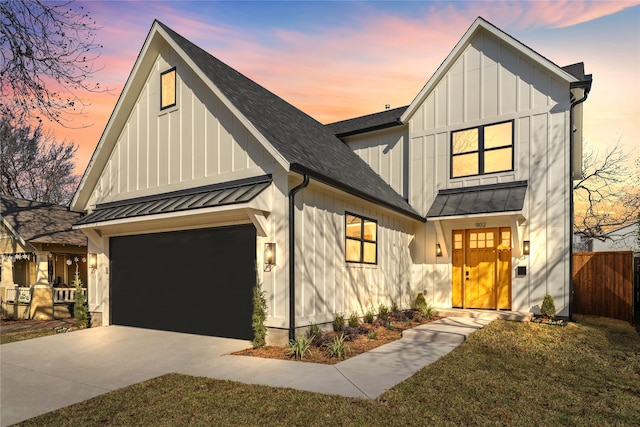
x,y
481,224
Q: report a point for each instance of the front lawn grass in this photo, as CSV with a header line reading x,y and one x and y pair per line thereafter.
x,y
508,373
21,336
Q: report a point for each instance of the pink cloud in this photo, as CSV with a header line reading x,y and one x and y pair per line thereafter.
x,y
331,73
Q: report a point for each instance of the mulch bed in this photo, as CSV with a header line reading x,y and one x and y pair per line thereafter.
x,y
358,341
10,326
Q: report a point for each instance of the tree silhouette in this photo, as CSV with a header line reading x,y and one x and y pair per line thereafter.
x,y
46,56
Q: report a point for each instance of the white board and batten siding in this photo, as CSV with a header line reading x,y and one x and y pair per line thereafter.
x,y
385,152
490,82
326,284
197,142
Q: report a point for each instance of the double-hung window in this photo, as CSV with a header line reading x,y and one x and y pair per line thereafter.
x,y
482,150
361,239
168,89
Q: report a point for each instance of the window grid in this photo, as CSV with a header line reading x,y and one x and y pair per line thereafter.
x,y
361,239
473,147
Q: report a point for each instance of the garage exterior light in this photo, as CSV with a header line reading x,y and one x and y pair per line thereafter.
x,y
269,255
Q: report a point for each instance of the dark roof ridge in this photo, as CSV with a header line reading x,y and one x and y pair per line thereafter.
x,y
369,122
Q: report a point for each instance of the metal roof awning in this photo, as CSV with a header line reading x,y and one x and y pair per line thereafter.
x,y
481,200
211,196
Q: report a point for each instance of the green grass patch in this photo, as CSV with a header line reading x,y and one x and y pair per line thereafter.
x,y
508,373
21,336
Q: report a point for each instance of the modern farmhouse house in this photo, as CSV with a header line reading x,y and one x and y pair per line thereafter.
x,y
204,182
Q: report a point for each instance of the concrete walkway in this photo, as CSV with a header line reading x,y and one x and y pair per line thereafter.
x,y
44,374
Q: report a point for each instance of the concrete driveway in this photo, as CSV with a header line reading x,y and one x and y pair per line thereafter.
x,y
44,374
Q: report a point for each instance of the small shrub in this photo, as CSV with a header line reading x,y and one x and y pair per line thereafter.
x,y
259,316
394,307
427,312
353,319
351,332
380,323
405,323
417,318
391,327
313,331
338,323
338,348
372,335
299,347
548,307
80,309
383,312
369,316
420,302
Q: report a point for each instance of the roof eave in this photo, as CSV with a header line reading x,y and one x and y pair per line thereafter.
x,y
301,169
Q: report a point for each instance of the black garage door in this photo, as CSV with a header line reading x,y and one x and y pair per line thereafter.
x,y
196,281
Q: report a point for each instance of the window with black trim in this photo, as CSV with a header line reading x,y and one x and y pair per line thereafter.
x,y
482,150
168,89
361,239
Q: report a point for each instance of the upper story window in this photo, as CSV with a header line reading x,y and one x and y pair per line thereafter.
x,y
482,150
361,239
168,89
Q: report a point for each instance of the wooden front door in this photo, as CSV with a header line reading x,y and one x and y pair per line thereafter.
x,y
481,268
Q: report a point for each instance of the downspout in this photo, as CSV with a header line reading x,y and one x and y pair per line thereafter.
x,y
587,87
292,257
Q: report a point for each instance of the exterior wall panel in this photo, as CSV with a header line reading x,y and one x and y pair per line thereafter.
x,y
197,142
326,284
500,84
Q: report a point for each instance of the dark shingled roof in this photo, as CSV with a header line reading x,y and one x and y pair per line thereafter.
x,y
483,199
305,143
38,222
210,196
368,123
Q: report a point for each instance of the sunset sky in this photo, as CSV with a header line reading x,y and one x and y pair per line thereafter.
x,y
337,60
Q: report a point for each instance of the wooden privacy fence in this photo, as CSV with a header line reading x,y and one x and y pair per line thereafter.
x,y
603,284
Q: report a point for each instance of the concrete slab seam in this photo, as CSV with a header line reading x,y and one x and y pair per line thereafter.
x,y
336,367
106,390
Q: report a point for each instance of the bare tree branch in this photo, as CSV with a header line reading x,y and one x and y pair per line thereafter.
x,y
34,166
608,194
46,55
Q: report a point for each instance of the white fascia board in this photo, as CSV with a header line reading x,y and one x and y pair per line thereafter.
x,y
13,231
246,122
120,112
517,214
127,100
480,25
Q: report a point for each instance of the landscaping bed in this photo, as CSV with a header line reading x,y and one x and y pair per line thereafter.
x,y
358,339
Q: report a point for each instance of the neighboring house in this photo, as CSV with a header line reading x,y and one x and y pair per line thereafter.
x,y
201,175
38,244
624,238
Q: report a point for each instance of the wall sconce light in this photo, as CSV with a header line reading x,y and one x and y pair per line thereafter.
x,y
269,256
438,250
93,261
526,247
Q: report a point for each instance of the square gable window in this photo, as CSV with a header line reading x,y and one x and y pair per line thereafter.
x,y
482,150
168,89
361,239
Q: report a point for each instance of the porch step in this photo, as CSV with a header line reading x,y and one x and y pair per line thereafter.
x,y
518,316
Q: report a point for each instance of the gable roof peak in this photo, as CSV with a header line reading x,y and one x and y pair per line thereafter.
x,y
478,25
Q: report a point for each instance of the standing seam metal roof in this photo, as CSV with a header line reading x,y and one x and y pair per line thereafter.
x,y
495,198
241,191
